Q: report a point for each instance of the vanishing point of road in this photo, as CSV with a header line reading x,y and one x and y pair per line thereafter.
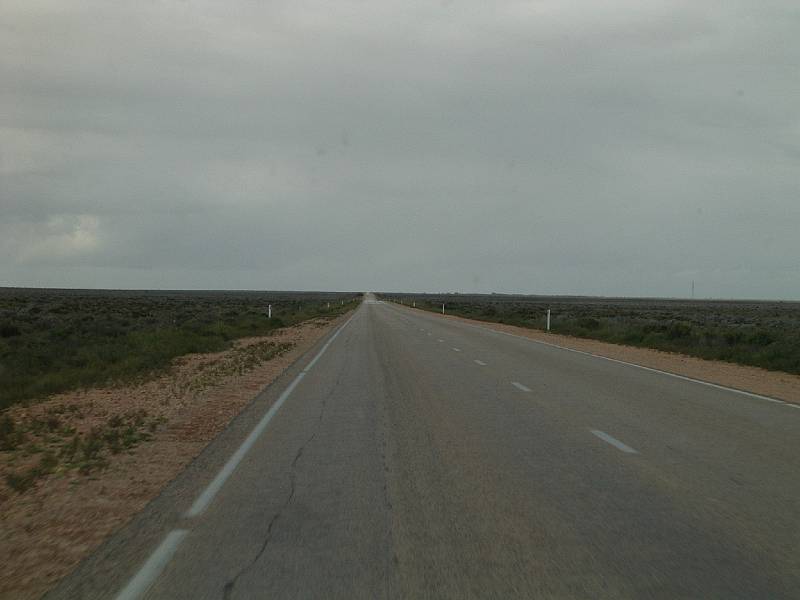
x,y
410,456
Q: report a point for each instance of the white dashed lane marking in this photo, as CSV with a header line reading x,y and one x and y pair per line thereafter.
x,y
613,441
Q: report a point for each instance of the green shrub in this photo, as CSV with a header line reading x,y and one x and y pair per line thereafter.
x,y
10,435
589,323
677,331
92,445
22,480
8,330
47,463
70,449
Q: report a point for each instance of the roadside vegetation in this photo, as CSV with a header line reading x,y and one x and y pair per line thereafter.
x,y
57,340
52,441
761,334
49,443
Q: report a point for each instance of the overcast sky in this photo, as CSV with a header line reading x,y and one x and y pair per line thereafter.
x,y
623,147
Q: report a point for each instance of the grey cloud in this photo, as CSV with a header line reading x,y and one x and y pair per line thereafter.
x,y
518,146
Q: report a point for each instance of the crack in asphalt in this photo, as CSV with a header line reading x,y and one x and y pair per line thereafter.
x,y
391,555
229,586
392,560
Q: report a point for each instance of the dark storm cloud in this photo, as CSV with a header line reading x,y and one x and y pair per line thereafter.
x,y
618,148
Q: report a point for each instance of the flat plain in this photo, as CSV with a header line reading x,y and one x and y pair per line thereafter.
x,y
56,340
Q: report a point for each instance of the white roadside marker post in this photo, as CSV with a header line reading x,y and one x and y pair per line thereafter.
x,y
269,311
548,319
442,307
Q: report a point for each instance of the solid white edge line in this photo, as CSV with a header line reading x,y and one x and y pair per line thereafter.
x,y
613,441
325,347
519,386
208,494
152,568
652,370
205,498
630,364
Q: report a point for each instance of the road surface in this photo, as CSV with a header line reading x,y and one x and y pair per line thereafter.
x,y
417,457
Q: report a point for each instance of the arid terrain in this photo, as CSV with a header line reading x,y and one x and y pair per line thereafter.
x,y
83,462
54,340
78,465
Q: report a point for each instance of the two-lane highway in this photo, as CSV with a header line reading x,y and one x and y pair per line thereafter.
x,y
415,456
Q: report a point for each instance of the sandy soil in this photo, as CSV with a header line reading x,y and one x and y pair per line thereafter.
x,y
775,384
48,529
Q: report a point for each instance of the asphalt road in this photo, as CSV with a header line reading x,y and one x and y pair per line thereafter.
x,y
418,457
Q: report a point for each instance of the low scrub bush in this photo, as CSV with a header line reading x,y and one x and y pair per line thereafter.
x,y
11,435
8,330
66,340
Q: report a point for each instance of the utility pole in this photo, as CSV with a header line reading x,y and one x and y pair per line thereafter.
x,y
692,289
